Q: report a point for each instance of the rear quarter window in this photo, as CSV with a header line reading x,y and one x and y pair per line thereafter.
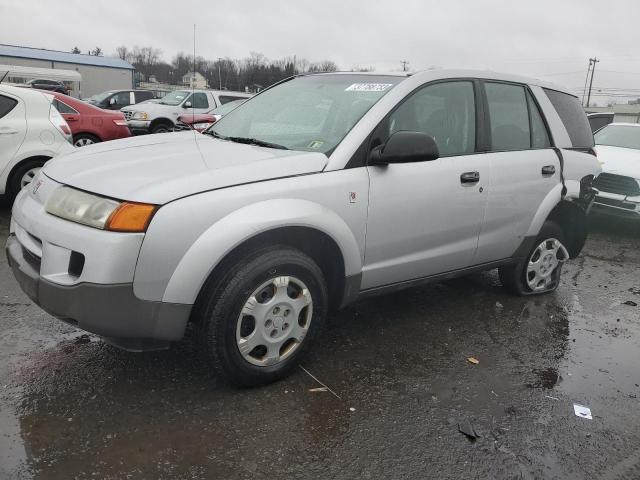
x,y
573,116
6,105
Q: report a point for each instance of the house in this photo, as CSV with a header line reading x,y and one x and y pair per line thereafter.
x,y
194,80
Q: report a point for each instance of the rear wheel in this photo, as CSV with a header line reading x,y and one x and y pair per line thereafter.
x,y
84,139
540,271
23,176
257,322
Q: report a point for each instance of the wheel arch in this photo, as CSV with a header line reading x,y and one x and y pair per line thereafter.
x,y
572,219
318,245
304,225
87,133
19,164
160,120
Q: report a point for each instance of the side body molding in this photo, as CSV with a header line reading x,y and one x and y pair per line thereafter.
x,y
241,225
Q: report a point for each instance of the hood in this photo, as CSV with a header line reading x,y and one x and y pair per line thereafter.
x,y
163,167
619,160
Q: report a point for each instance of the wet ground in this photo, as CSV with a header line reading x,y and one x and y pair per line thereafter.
x,y
73,407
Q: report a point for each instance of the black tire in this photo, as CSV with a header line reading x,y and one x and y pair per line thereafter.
x,y
217,313
162,127
15,180
514,276
86,137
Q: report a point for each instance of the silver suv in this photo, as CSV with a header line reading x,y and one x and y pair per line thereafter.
x,y
322,190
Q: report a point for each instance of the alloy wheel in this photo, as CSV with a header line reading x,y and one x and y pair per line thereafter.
x,y
274,321
544,263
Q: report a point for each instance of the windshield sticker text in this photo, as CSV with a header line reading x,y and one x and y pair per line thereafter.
x,y
368,87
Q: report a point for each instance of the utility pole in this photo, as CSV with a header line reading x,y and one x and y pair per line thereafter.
x,y
404,65
219,76
586,80
593,70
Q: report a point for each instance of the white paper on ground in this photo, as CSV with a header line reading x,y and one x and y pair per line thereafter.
x,y
582,411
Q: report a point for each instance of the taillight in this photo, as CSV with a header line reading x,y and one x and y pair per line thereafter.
x,y
120,122
60,123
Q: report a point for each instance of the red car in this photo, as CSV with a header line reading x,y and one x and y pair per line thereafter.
x,y
201,121
90,124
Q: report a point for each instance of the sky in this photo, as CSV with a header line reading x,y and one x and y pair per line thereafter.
x,y
552,40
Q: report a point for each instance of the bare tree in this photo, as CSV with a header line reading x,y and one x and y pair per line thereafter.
x,y
324,66
75,50
97,52
123,52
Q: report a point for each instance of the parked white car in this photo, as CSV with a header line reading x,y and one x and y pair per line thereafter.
x,y
161,116
618,147
319,191
31,132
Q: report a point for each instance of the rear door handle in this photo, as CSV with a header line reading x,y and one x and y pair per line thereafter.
x,y
470,177
7,131
548,170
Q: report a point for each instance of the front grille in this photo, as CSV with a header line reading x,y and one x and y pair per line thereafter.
x,y
127,114
615,203
609,182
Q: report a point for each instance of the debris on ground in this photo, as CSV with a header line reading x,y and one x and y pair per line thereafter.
x,y
499,305
351,409
582,411
473,360
84,338
631,303
468,429
325,386
552,398
319,389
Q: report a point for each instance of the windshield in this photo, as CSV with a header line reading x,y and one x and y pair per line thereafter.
x,y
174,98
626,136
312,113
98,97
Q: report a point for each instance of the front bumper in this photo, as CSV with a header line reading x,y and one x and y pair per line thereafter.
x,y
139,126
617,205
111,311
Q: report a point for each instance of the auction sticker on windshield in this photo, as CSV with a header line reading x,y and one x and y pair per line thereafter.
x,y
368,87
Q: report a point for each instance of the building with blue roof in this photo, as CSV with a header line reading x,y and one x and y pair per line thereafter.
x,y
98,74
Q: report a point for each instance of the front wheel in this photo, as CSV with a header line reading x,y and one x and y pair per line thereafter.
x,y
540,271
257,322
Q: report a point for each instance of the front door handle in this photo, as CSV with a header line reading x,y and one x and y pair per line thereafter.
x,y
7,131
548,170
470,177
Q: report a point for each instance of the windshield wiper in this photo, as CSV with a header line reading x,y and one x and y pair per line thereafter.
x,y
255,141
245,140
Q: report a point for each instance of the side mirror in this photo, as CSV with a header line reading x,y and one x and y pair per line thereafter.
x,y
405,147
186,105
112,101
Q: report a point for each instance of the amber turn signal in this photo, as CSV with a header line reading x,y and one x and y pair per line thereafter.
x,y
131,217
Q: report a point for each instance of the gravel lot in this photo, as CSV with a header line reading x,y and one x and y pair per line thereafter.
x,y
73,407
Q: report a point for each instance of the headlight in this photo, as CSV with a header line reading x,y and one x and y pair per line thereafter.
x,y
202,126
140,116
99,212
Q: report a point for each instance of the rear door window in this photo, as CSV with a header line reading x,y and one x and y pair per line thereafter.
x,y
573,116
6,105
199,100
508,116
141,96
